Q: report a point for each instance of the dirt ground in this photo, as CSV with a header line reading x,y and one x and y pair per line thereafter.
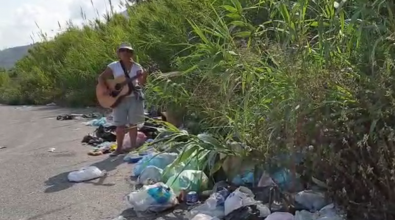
x,y
33,181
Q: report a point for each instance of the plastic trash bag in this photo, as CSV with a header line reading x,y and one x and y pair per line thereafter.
x,y
244,213
326,213
204,217
190,180
280,216
150,175
205,208
311,200
218,198
242,179
266,181
97,122
140,140
169,172
304,215
85,174
242,196
159,160
286,181
155,198
214,205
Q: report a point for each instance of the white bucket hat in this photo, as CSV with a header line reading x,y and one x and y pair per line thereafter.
x,y
126,46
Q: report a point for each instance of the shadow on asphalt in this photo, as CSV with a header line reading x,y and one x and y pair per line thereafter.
x,y
60,182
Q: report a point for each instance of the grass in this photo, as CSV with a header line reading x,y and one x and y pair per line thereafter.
x,y
277,75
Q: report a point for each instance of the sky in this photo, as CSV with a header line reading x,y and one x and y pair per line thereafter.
x,y
22,20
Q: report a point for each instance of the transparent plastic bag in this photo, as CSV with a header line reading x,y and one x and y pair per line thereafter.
x,y
159,160
150,175
85,174
311,200
155,198
190,180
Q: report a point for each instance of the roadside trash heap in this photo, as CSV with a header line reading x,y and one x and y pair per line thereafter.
x,y
103,139
271,197
249,195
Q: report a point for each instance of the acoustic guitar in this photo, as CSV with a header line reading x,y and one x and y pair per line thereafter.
x,y
120,87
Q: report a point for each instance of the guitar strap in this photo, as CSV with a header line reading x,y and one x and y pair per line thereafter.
x,y
136,90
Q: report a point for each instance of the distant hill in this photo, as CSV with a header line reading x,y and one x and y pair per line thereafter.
x,y
10,56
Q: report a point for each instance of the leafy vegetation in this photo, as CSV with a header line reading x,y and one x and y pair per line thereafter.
x,y
277,75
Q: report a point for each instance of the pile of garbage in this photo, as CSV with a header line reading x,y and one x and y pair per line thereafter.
x,y
167,183
103,139
165,186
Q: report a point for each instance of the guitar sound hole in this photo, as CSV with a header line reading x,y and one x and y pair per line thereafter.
x,y
117,86
114,93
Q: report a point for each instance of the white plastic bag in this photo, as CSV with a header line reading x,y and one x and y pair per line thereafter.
x,y
150,175
156,198
204,217
311,200
280,216
85,174
305,215
206,209
327,213
264,210
266,181
242,196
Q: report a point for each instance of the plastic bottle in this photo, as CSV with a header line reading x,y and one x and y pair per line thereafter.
x,y
217,199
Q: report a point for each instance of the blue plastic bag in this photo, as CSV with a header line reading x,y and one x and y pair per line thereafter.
x,y
157,160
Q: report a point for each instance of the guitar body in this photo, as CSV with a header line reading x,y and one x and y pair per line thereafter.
x,y
120,88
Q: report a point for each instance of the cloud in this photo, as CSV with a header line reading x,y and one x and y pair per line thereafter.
x,y
23,22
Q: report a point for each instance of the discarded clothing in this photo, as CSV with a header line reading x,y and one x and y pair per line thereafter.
x,y
65,117
103,148
92,140
105,133
250,212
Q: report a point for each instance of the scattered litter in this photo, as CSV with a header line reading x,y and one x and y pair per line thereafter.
x,y
103,148
160,160
250,212
326,213
2,147
85,174
204,217
242,196
150,175
266,181
99,122
132,158
189,180
120,218
155,198
280,216
140,140
311,200
51,149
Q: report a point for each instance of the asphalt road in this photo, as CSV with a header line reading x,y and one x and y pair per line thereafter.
x,y
33,181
